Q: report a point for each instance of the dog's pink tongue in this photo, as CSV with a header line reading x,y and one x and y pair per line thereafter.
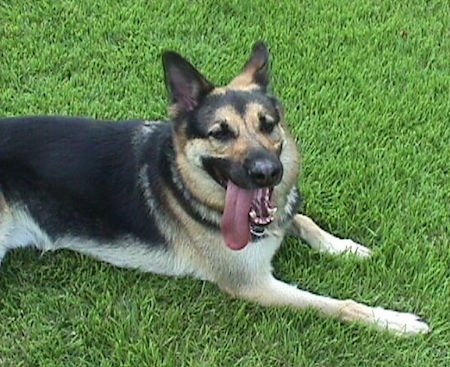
x,y
235,226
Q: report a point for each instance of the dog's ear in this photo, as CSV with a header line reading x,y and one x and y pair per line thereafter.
x,y
186,86
256,69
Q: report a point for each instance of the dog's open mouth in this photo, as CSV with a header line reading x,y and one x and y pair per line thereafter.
x,y
246,212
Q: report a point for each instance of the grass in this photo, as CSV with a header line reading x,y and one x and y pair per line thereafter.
x,y
366,89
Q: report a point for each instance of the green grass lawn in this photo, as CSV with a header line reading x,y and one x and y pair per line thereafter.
x,y
366,87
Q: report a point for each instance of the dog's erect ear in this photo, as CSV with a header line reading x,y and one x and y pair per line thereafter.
x,y
186,86
256,69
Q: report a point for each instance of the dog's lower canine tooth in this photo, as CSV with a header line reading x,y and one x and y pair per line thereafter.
x,y
272,211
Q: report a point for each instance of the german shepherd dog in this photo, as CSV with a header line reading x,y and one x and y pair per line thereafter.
x,y
211,193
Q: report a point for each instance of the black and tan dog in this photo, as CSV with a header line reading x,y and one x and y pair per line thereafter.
x,y
210,193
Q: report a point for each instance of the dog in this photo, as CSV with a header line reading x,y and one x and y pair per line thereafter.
x,y
210,193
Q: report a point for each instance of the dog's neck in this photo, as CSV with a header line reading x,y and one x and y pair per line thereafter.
x,y
175,182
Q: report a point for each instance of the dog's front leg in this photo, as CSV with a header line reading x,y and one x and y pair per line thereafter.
x,y
319,239
272,292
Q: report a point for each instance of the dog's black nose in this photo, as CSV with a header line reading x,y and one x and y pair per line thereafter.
x,y
265,172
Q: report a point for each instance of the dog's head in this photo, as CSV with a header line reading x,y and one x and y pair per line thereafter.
x,y
233,149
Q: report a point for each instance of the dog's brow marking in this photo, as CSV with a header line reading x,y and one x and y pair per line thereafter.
x,y
228,113
251,113
253,109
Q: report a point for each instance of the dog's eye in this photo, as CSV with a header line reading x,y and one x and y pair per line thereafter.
x,y
222,132
267,124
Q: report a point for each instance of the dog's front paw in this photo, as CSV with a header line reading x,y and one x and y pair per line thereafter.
x,y
400,323
334,245
354,248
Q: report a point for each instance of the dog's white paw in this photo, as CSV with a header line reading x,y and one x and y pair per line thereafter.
x,y
355,248
334,245
400,323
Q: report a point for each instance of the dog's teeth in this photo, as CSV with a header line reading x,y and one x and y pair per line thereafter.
x,y
252,214
271,218
272,211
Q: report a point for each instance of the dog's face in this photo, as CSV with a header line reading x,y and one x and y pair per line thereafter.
x,y
232,145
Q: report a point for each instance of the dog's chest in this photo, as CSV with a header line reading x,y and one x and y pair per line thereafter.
x,y
261,251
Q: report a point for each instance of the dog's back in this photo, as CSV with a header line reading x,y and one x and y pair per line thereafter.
x,y
76,176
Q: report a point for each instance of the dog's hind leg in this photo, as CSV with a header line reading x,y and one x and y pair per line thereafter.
x,y
18,229
272,292
319,239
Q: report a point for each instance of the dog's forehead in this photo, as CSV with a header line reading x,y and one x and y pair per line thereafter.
x,y
238,101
